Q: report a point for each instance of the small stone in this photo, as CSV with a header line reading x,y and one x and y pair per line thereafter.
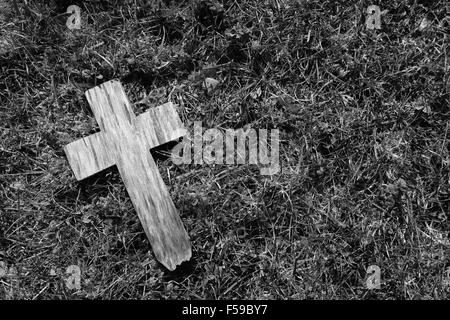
x,y
210,84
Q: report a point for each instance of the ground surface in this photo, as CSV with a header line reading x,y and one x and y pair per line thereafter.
x,y
364,126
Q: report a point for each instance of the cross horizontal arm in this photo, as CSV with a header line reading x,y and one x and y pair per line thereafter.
x,y
160,125
88,156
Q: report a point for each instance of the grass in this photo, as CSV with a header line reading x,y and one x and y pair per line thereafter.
x,y
364,126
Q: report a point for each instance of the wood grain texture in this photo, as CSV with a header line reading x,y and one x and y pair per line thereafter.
x,y
160,125
125,141
88,156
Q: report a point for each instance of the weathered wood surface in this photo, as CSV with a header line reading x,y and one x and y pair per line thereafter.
x,y
125,140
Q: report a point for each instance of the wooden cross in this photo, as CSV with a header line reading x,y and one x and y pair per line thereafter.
x,y
125,141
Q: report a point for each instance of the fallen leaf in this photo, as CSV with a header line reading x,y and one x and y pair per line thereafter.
x,y
424,24
73,281
256,94
18,185
3,269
